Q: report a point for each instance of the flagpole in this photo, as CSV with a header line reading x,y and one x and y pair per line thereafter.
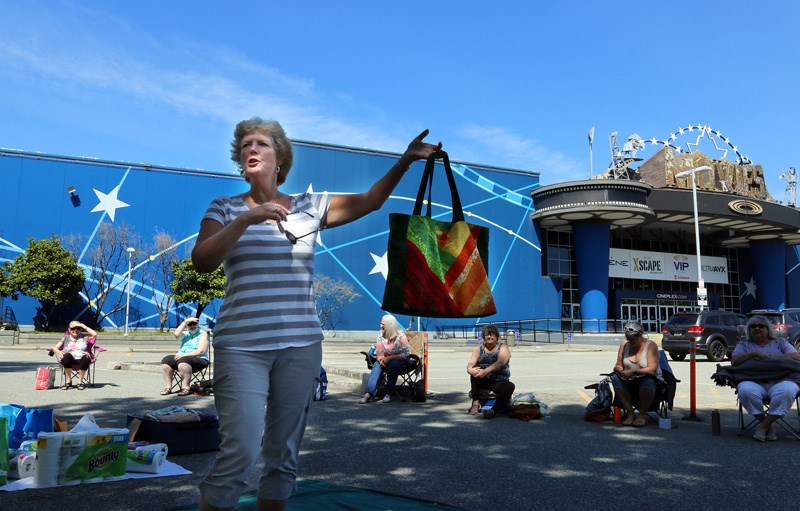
x,y
591,163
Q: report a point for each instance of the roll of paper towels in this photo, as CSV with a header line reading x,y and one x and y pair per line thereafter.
x,y
154,447
48,459
22,466
150,462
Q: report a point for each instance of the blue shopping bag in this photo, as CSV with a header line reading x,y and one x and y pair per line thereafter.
x,y
25,424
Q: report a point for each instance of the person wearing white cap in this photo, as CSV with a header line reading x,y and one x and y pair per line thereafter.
x,y
636,374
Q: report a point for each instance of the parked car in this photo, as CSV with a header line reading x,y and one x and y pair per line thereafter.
x,y
786,322
716,333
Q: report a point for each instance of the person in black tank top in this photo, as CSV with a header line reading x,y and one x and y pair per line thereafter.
x,y
489,369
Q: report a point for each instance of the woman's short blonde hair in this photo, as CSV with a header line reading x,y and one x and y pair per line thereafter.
x,y
273,129
390,326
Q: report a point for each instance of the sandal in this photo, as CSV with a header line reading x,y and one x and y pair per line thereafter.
x,y
184,392
80,386
628,420
66,386
639,422
166,392
474,409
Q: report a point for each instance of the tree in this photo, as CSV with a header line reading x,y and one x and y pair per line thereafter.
x,y
107,272
47,272
190,286
332,295
160,275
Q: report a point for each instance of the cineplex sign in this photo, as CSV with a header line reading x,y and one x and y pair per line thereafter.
x,y
635,264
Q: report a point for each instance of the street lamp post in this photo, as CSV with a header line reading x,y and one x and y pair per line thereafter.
x,y
130,251
692,173
701,297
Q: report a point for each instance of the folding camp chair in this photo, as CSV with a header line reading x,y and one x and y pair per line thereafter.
x,y
409,379
726,376
782,422
665,392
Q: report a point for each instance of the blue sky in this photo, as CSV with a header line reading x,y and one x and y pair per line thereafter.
x,y
514,84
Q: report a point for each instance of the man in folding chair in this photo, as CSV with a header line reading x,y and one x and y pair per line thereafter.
x,y
191,357
775,393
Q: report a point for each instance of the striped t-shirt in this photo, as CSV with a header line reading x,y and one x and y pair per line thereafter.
x,y
269,299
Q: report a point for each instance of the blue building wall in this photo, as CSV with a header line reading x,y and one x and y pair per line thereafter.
x,y
36,204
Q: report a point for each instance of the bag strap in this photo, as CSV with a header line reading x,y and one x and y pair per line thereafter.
x,y
427,183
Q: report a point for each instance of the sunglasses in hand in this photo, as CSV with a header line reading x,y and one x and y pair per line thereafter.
x,y
293,238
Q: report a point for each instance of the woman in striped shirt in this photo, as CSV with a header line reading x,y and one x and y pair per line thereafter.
x,y
268,337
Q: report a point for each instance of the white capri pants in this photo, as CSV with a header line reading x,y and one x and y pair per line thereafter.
x,y
780,395
282,381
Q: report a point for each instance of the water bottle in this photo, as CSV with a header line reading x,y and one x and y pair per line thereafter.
x,y
715,427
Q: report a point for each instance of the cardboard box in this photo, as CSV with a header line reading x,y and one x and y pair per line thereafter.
x,y
181,438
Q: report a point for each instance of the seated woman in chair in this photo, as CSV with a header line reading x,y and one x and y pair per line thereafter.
x,y
75,349
762,344
636,373
392,353
191,357
489,369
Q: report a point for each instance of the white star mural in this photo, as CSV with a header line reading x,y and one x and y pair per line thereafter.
x,y
751,287
109,202
381,264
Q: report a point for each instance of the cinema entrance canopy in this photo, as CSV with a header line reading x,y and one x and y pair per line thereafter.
x,y
622,246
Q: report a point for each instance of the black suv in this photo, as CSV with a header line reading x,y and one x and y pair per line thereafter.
x,y
786,322
717,333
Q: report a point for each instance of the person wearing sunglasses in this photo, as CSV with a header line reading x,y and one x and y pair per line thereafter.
x,y
268,338
191,357
763,344
636,374
73,350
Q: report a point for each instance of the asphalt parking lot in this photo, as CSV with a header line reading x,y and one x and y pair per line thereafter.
x,y
435,451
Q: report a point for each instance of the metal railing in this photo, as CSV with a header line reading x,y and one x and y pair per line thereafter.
x,y
548,330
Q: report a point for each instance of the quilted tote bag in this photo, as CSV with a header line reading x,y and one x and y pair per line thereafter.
x,y
437,268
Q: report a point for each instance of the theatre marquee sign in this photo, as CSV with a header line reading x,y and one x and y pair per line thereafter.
x,y
637,264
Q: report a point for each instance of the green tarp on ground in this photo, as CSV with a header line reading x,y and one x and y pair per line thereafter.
x,y
333,497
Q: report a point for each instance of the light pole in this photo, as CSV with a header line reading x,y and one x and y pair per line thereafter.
x,y
130,251
692,172
701,297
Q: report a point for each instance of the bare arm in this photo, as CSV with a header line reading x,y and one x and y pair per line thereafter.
x,y
346,208
214,240
57,349
740,359
473,360
618,367
179,331
88,330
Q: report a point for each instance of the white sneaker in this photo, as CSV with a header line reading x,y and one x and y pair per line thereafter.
x,y
386,399
364,400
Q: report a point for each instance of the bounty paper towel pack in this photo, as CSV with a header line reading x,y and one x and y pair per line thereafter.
x,y
104,456
73,457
